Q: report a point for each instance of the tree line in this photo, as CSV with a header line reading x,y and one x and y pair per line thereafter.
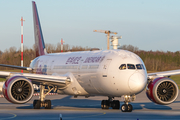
x,y
153,60
156,60
12,56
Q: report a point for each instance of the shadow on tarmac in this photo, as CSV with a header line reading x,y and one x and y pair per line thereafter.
x,y
88,103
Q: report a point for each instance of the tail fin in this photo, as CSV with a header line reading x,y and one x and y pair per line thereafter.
x,y
39,41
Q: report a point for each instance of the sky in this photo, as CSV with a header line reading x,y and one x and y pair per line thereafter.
x,y
146,24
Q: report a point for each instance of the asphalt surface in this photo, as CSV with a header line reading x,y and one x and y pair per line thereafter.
x,y
88,108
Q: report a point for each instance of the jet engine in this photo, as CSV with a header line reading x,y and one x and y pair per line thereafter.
x,y
162,90
18,89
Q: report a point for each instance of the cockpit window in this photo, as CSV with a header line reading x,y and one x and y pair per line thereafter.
x,y
130,66
122,67
139,66
143,66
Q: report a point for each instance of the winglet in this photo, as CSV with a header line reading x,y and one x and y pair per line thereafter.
x,y
39,40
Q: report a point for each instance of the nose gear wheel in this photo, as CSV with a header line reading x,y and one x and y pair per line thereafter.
x,y
126,108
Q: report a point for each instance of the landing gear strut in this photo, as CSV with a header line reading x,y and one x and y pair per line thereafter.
x,y
37,104
115,104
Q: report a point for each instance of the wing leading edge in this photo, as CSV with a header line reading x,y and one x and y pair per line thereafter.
x,y
60,81
163,74
17,67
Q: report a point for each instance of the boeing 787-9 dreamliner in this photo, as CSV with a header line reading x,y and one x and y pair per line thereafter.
x,y
111,73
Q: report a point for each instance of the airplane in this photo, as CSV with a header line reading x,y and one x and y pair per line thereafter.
x,y
111,73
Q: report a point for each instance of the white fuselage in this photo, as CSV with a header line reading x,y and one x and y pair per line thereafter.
x,y
96,72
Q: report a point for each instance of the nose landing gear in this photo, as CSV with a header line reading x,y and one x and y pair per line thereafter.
x,y
127,107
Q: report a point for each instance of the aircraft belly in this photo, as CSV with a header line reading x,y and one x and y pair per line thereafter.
x,y
89,82
74,88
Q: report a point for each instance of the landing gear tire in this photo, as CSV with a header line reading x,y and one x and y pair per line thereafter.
x,y
130,108
105,104
115,104
37,104
34,102
124,108
47,104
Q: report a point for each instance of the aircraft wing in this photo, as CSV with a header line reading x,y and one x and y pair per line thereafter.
x,y
17,67
164,73
60,81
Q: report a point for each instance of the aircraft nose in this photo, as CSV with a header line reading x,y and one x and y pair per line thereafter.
x,y
137,82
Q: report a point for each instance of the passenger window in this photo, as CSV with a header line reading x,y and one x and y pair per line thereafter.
x,y
138,66
122,67
130,66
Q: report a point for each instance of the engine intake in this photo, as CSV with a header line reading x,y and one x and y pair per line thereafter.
x,y
18,89
162,91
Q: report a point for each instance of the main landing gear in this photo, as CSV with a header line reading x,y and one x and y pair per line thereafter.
x,y
115,104
37,104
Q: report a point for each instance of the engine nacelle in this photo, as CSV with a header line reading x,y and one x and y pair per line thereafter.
x,y
162,91
18,89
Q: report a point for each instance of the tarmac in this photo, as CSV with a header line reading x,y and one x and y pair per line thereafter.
x,y
82,108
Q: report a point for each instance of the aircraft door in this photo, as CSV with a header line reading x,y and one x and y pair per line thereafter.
x,y
51,66
106,66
